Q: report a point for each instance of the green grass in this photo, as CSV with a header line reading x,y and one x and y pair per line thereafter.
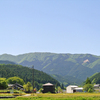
x,y
73,96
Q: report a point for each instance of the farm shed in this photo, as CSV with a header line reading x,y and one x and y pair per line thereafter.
x,y
48,87
78,89
71,88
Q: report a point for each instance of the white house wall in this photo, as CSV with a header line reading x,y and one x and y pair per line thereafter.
x,y
70,89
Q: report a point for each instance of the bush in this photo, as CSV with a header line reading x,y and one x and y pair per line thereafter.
x,y
3,83
88,88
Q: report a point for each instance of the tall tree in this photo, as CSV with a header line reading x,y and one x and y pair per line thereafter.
x,y
3,83
88,81
27,87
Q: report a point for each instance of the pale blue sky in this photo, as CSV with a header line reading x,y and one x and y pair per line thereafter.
x,y
57,26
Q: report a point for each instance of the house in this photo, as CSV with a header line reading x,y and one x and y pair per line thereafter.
x,y
15,86
78,89
97,86
48,87
73,89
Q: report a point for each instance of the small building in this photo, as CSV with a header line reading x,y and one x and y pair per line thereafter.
x,y
78,89
97,86
70,88
48,87
73,89
15,86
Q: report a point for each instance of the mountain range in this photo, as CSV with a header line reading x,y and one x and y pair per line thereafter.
x,y
79,66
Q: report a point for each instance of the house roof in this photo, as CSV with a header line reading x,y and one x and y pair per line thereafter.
x,y
74,86
79,88
48,84
96,85
18,85
10,85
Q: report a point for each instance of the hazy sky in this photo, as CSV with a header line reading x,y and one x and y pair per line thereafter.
x,y
57,26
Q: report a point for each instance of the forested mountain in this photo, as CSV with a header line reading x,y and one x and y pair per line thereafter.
x,y
67,80
26,74
79,66
95,78
6,62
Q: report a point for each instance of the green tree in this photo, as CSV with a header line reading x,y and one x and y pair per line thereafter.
x,y
13,80
88,88
28,87
59,89
62,86
88,81
3,83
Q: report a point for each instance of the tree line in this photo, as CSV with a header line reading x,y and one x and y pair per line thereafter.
x,y
25,73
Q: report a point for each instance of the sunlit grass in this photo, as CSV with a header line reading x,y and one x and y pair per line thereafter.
x,y
5,94
60,96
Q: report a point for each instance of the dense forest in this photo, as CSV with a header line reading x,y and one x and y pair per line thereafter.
x,y
95,78
67,80
9,70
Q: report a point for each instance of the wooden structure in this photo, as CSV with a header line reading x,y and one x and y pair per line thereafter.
x,y
16,86
48,87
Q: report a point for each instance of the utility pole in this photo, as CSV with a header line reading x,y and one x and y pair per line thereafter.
x,y
33,77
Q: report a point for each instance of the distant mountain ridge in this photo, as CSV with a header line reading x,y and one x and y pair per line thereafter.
x,y
79,66
6,62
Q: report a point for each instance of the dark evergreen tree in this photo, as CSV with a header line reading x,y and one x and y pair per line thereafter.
x,y
62,86
88,81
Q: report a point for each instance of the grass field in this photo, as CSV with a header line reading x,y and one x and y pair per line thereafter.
x,y
73,96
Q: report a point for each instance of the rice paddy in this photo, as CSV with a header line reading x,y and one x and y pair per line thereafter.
x,y
59,96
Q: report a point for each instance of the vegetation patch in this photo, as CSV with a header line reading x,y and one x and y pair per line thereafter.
x,y
74,96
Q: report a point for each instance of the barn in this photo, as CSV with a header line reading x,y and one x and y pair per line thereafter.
x,y
48,87
73,89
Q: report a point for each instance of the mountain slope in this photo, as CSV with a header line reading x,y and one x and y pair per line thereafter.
x,y
95,78
80,66
6,62
26,74
67,80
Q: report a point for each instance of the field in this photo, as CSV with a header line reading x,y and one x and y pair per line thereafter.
x,y
74,96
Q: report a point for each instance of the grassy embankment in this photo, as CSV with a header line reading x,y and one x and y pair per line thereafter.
x,y
74,96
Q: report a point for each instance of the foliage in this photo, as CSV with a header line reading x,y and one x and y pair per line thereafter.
x,y
3,83
40,90
60,64
88,81
25,73
88,88
27,86
60,96
13,80
6,62
62,86
59,90
67,80
95,78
